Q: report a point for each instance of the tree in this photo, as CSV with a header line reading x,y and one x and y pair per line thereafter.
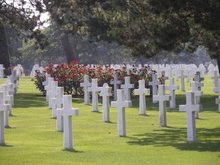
x,y
4,55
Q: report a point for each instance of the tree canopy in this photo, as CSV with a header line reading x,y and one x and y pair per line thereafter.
x,y
146,27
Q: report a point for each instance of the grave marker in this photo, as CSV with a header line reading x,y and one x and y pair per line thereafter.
x,y
190,108
120,104
95,90
86,84
105,93
67,112
162,98
142,91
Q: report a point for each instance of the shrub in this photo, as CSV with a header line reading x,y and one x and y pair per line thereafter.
x,y
71,75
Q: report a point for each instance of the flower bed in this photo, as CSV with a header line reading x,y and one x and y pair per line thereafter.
x,y
71,75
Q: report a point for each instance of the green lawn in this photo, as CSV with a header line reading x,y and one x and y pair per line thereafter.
x,y
2,81
33,139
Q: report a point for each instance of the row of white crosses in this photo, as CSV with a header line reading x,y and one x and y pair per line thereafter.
x,y
7,91
62,110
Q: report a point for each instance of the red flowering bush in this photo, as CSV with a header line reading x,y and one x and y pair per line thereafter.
x,y
71,75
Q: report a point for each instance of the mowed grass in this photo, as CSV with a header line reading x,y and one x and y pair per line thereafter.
x,y
33,139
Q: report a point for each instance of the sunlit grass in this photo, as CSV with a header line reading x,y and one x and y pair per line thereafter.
x,y
33,139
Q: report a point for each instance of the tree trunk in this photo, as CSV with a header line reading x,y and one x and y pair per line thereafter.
x,y
4,55
68,48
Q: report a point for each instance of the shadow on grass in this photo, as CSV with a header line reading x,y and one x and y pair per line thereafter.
x,y
176,137
6,145
207,101
72,150
26,100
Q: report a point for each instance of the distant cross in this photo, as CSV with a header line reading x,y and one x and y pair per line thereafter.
x,y
59,103
3,111
1,71
154,83
105,93
52,94
197,95
48,87
198,79
142,91
67,112
127,88
215,77
4,114
95,90
115,82
7,99
86,84
217,90
172,88
53,98
190,108
121,103
162,98
182,80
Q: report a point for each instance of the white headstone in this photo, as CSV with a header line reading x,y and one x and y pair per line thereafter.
x,y
121,103
59,104
197,95
2,112
86,84
53,98
162,98
95,90
1,71
217,90
172,88
127,88
190,108
105,93
67,112
154,83
48,87
115,82
182,77
142,91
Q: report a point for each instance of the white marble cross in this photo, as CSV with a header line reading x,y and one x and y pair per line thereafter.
x,y
142,91
67,112
121,103
59,103
52,100
10,91
154,83
172,88
4,112
86,84
198,79
190,108
127,88
182,80
115,82
197,95
162,98
48,87
217,90
215,78
7,99
105,93
2,71
95,90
